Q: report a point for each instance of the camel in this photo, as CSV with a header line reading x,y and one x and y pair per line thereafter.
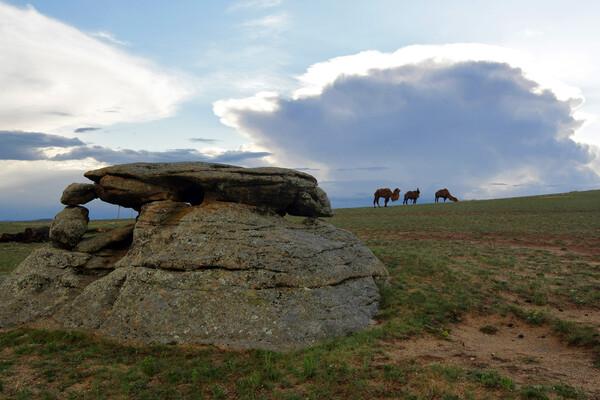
x,y
444,194
411,195
387,194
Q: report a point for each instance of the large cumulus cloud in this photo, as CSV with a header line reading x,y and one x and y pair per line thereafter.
x,y
428,124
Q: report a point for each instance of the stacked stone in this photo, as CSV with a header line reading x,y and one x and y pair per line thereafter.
x,y
70,224
210,259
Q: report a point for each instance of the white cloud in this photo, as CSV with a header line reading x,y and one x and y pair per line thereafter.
x,y
268,25
461,116
56,78
319,75
110,38
246,4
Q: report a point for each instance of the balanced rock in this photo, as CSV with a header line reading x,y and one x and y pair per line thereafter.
x,y
78,193
69,226
222,272
282,190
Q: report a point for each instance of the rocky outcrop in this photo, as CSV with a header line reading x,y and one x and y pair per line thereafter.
x,y
282,190
69,226
78,193
221,272
29,235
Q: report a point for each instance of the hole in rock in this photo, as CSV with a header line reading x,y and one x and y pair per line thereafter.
x,y
189,192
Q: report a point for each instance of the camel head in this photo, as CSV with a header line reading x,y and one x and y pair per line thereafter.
x,y
396,194
454,199
418,191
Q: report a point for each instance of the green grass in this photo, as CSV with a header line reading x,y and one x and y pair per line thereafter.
x,y
446,261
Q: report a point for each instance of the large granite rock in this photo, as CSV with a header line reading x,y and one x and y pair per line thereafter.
x,y
283,190
220,272
69,226
78,193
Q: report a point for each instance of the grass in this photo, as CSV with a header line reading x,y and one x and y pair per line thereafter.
x,y
519,256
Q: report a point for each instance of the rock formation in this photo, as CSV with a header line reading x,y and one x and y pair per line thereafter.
x,y
69,226
29,235
210,259
78,193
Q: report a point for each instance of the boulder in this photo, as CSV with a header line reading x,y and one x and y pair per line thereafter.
x,y
282,190
216,271
69,226
78,193
226,274
41,284
29,235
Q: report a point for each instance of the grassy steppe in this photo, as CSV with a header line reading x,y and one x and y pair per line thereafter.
x,y
488,300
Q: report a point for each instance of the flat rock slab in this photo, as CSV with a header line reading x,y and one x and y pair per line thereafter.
x,y
282,190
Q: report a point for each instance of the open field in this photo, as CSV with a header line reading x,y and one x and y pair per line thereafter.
x,y
487,300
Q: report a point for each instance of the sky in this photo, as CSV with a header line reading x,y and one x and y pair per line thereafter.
x,y
489,99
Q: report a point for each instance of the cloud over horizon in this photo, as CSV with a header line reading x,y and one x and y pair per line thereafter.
x,y
35,167
56,78
29,146
431,122
18,145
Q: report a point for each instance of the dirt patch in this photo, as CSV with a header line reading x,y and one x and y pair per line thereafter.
x,y
581,315
527,354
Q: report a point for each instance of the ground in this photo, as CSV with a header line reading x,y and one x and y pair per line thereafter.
x,y
487,300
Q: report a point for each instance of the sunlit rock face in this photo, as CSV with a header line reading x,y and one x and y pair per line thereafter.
x,y
210,259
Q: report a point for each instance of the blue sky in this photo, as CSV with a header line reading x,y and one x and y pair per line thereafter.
x,y
290,83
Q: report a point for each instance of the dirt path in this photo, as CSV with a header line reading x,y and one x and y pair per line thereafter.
x,y
527,354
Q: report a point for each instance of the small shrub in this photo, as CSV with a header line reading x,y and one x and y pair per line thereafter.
x,y
309,367
150,366
488,329
218,392
568,392
534,393
492,379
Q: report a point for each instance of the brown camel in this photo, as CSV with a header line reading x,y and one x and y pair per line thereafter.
x,y
387,194
444,194
411,195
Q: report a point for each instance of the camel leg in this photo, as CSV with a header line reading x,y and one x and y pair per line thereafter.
x,y
385,202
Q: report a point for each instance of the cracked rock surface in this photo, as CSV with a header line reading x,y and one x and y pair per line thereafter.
x,y
220,272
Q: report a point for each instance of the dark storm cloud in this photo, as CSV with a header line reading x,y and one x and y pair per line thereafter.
x,y
434,125
17,145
